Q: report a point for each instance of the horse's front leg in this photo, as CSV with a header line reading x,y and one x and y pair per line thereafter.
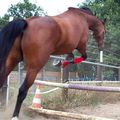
x,y
74,60
82,50
70,59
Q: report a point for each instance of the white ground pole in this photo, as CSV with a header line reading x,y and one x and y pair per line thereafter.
x,y
101,56
101,61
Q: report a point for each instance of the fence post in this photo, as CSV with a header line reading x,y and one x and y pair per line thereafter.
x,y
99,73
65,76
3,94
42,73
64,79
20,73
119,74
99,68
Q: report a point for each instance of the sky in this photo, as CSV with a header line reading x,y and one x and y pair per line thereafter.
x,y
52,7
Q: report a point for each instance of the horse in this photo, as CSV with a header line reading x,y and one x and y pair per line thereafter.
x,y
34,39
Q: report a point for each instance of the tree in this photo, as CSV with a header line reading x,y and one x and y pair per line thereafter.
x,y
25,10
4,20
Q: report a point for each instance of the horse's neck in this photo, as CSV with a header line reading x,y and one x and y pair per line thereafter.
x,y
94,25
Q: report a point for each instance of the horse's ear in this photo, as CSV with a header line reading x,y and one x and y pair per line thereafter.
x,y
104,21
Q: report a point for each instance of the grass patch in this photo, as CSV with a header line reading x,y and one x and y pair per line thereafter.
x,y
76,98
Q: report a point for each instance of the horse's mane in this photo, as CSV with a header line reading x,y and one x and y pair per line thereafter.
x,y
86,10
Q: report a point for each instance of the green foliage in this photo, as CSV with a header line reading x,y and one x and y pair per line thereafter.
x,y
23,9
4,20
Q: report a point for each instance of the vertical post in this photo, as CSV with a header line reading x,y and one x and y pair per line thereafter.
x,y
101,56
119,74
64,78
20,73
42,74
99,73
99,68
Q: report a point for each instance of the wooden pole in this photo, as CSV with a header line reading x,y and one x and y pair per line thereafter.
x,y
80,87
69,115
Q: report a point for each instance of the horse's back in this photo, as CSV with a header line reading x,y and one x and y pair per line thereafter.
x,y
41,31
72,28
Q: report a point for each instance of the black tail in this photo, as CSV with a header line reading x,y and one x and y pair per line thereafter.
x,y
8,35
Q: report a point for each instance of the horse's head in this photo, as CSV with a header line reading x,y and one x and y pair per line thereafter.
x,y
96,25
99,32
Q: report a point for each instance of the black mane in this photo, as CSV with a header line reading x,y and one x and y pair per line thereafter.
x,y
86,10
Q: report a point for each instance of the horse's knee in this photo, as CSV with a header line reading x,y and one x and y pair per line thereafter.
x,y
84,56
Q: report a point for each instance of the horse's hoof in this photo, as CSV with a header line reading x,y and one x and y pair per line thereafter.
x,y
15,118
57,63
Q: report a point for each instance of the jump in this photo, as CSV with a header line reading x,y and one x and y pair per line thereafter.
x,y
35,39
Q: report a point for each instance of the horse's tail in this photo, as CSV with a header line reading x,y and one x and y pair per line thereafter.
x,y
8,34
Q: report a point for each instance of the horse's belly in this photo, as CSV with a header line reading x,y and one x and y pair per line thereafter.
x,y
63,50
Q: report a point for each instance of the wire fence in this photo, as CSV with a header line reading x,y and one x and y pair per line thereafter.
x,y
85,71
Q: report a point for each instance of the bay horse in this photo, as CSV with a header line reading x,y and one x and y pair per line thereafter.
x,y
35,39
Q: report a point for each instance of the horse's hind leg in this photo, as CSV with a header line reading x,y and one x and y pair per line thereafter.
x,y
32,69
30,77
12,60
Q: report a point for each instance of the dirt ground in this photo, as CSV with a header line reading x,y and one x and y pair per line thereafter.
x,y
102,110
